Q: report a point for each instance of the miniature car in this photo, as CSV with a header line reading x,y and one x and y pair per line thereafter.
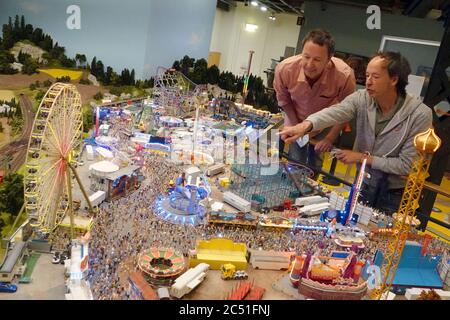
x,y
249,217
8,287
64,256
228,216
278,208
56,258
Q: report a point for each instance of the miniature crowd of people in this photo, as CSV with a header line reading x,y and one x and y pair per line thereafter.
x,y
125,227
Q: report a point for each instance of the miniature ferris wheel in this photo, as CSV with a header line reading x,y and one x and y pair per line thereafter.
x,y
55,142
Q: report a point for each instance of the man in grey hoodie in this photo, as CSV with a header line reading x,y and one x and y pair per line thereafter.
x,y
387,121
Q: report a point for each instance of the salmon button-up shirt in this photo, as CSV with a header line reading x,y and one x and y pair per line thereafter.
x,y
299,100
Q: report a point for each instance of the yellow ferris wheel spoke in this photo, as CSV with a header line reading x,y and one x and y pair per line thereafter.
x,y
58,142
51,168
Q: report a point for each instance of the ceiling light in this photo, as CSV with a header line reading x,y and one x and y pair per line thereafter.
x,y
254,3
272,17
263,8
250,27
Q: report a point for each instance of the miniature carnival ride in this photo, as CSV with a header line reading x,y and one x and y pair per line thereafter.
x,y
182,205
334,277
161,266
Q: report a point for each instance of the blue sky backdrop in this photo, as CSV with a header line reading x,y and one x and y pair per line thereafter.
x,y
139,34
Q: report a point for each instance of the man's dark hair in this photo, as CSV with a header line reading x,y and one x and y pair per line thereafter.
x,y
397,65
321,38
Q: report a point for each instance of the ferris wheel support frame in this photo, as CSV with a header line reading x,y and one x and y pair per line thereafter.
x,y
69,194
69,189
83,191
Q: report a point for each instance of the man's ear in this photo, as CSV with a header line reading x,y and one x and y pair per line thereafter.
x,y
394,80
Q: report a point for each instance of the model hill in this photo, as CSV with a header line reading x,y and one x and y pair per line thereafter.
x,y
26,49
30,49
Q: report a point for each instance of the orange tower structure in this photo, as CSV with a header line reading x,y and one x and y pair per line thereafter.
x,y
426,144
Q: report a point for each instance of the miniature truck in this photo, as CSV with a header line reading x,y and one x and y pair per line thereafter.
x,y
215,170
229,272
189,280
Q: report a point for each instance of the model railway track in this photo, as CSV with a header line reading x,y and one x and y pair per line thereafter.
x,y
16,151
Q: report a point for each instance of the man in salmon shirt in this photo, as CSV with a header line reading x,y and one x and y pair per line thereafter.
x,y
308,83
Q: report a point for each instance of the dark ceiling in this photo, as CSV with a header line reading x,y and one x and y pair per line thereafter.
x,y
413,8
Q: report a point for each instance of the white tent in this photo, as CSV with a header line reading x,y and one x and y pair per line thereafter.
x,y
102,168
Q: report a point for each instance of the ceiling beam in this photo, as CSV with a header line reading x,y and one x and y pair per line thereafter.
x,y
359,4
229,2
291,7
269,3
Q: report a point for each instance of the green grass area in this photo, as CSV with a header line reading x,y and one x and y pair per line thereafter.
x,y
31,263
21,170
86,107
2,254
53,63
7,229
135,92
16,126
31,94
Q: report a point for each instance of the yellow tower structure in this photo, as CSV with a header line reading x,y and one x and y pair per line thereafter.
x,y
426,144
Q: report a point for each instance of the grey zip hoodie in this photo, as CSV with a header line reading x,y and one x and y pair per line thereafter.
x,y
393,150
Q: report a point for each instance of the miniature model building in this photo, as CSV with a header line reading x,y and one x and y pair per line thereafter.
x,y
107,176
252,182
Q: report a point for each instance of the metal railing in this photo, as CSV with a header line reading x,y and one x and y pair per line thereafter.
x,y
429,186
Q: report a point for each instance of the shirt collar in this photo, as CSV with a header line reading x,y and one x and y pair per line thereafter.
x,y
399,102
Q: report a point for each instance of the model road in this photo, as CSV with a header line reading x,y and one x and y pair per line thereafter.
x,y
16,151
